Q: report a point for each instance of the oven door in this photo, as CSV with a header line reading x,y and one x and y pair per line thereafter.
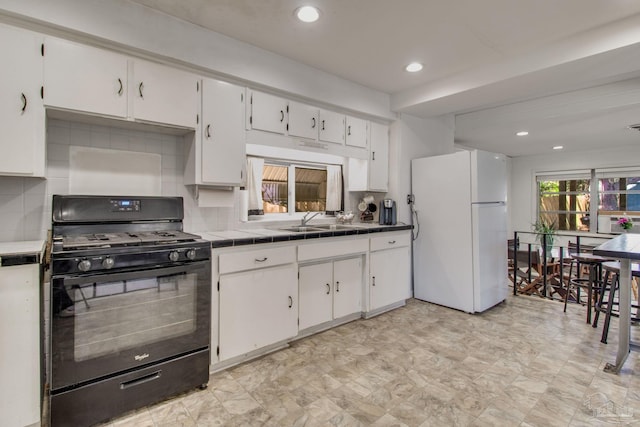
x,y
105,324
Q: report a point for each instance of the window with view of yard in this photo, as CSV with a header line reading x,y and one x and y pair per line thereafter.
x,y
565,203
293,188
565,200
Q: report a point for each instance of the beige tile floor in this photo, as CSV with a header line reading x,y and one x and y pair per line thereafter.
x,y
523,363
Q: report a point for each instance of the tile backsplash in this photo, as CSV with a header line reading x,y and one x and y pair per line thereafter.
x,y
25,203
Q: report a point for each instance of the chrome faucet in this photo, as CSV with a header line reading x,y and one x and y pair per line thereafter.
x,y
305,220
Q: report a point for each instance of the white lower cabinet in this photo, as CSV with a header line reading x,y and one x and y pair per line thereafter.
x,y
257,308
329,290
20,343
347,295
389,269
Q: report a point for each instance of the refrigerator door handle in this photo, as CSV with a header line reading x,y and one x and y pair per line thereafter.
x,y
489,203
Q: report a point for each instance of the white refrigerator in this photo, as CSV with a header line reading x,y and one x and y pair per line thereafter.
x,y
460,253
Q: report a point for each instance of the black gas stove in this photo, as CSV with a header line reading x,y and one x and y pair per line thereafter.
x,y
92,234
130,306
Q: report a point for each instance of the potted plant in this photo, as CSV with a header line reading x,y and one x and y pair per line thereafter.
x,y
625,223
544,228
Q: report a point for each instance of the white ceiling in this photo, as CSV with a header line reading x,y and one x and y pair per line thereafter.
x,y
567,71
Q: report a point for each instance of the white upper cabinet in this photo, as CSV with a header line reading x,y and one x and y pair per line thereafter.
x,y
84,79
356,132
267,112
310,122
96,81
21,110
303,120
372,174
331,127
164,95
223,134
379,157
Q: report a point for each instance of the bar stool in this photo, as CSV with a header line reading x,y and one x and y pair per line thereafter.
x,y
592,283
611,284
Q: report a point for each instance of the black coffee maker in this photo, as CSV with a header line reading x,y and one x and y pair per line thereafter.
x,y
387,212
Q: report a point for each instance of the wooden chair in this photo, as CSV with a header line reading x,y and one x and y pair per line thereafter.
x,y
527,271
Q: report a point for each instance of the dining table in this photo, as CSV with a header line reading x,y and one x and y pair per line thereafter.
x,y
626,249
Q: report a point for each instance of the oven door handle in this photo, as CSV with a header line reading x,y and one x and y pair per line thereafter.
x,y
135,274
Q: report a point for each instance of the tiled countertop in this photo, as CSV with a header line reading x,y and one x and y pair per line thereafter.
x,y
220,239
17,253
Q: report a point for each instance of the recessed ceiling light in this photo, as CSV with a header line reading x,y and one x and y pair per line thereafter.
x,y
307,14
558,147
522,133
414,67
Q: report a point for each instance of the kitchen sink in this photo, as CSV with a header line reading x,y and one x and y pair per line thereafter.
x,y
299,229
319,227
333,227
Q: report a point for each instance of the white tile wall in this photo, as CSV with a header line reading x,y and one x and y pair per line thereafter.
x,y
25,203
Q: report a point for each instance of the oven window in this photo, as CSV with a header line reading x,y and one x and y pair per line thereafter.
x,y
116,316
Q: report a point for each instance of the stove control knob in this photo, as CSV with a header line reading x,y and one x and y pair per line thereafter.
x,y
174,256
108,262
84,265
191,254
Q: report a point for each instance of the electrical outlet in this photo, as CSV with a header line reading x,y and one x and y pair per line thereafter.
x,y
409,199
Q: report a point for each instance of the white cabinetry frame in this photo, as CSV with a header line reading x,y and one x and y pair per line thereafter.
x,y
21,110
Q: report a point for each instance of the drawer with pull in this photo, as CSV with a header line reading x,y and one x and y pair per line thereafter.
x,y
390,240
257,258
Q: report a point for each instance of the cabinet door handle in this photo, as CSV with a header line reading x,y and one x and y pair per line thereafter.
x,y
140,87
374,281
337,286
290,302
328,289
313,120
374,155
208,131
323,125
121,87
281,116
349,130
261,260
391,242
24,102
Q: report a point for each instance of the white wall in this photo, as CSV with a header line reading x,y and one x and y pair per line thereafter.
x,y
523,174
25,203
412,138
135,27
